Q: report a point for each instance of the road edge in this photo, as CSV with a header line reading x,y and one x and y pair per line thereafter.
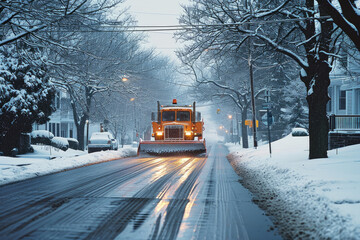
x,y
288,216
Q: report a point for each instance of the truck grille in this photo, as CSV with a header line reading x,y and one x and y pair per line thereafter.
x,y
174,132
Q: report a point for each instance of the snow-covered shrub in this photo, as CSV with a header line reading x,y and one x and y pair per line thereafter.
x,y
73,143
60,142
296,132
41,137
26,93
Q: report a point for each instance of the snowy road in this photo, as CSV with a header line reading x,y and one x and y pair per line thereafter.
x,y
135,198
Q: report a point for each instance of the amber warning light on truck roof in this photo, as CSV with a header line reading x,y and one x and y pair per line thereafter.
x,y
174,101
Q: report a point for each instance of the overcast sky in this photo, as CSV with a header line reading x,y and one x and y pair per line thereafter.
x,y
158,12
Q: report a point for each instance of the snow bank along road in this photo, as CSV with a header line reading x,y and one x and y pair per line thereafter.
x,y
180,197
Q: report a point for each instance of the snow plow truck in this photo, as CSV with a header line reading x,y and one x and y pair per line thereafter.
x,y
175,129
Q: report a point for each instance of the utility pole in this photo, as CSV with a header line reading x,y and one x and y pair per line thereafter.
x,y
250,61
268,117
252,96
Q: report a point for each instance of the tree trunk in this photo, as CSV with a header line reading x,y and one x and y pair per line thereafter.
x,y
317,82
318,121
81,135
244,134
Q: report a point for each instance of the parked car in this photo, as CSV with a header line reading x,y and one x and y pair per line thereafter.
x,y
101,141
115,144
299,132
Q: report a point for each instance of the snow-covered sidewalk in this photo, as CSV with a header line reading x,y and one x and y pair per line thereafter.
x,y
308,199
46,159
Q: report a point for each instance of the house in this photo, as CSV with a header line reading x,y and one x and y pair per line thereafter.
x,y
344,90
344,106
61,122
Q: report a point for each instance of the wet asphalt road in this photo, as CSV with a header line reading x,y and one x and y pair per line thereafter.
x,y
148,197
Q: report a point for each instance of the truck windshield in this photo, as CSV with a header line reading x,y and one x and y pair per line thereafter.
x,y
183,116
168,116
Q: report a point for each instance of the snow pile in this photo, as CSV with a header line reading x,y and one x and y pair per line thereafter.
x,y
47,159
73,140
299,132
41,134
317,199
60,142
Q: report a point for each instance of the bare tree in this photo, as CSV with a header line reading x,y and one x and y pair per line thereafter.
x,y
348,20
97,66
287,27
129,112
21,19
230,81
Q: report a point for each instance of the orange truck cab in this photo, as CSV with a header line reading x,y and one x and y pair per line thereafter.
x,y
175,129
177,123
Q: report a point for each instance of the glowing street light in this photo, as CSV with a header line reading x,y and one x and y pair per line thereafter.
x,y
132,99
124,79
231,128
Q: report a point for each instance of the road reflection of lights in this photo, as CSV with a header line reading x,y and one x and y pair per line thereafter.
x,y
161,206
183,175
159,171
189,206
158,160
140,159
183,160
192,198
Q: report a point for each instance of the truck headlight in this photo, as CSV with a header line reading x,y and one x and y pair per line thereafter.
x,y
188,133
159,133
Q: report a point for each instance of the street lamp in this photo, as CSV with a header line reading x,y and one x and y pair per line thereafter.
x,y
124,79
231,128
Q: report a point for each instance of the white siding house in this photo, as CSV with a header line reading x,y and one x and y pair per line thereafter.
x,y
344,90
61,122
344,106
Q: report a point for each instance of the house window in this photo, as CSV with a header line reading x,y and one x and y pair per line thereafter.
x,y
58,129
71,133
342,100
53,129
329,104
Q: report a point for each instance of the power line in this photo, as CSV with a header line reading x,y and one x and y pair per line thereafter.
x,y
119,27
155,13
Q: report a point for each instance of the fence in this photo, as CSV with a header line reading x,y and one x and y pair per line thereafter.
x,y
344,130
345,122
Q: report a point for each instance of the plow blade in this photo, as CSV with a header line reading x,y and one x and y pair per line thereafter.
x,y
171,147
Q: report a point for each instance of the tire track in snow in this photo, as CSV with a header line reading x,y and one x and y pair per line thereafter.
x,y
176,208
127,211
19,220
